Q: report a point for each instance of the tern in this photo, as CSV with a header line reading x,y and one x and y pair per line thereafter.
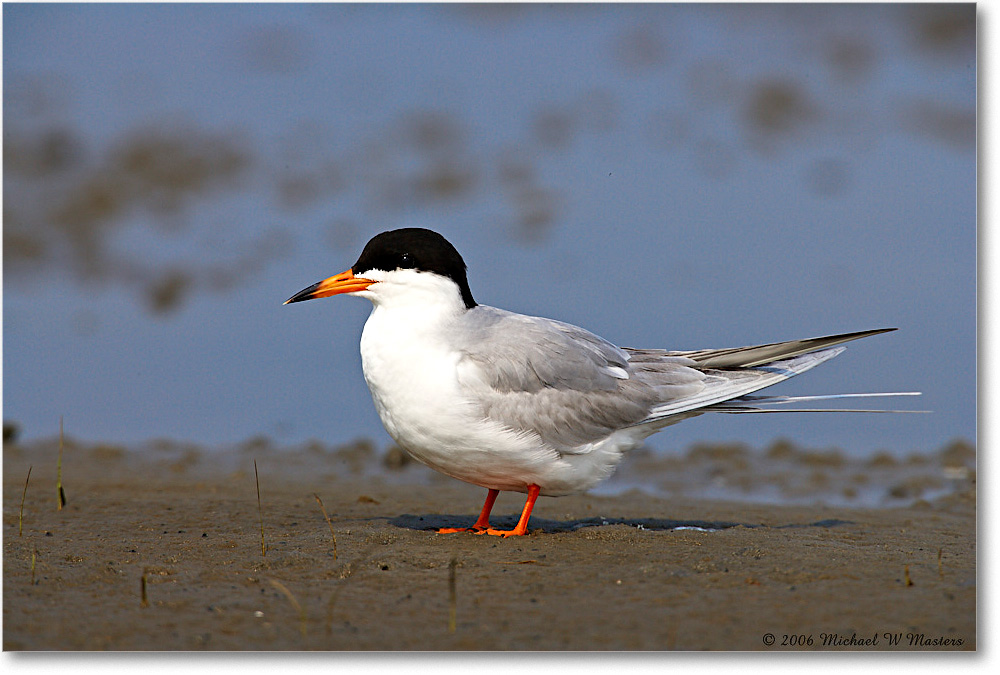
x,y
528,404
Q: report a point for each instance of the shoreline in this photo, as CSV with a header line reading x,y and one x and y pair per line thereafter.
x,y
621,572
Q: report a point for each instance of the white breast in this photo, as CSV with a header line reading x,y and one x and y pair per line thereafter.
x,y
420,386
411,376
413,379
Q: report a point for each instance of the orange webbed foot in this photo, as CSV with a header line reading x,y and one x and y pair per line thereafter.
x,y
482,524
516,532
452,530
522,525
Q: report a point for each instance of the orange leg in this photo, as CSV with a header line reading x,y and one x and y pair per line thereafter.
x,y
522,524
482,523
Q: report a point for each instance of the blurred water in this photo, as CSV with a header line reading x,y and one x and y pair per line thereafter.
x,y
666,176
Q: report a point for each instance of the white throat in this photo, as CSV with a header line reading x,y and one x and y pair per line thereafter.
x,y
419,292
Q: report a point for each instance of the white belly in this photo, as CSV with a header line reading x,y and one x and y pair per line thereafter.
x,y
413,378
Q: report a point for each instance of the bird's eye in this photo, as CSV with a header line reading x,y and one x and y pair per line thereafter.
x,y
406,261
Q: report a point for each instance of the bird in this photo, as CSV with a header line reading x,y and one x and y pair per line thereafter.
x,y
528,404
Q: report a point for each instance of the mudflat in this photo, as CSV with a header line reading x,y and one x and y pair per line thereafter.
x,y
162,551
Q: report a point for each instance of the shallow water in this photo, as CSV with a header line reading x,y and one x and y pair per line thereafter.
x,y
779,474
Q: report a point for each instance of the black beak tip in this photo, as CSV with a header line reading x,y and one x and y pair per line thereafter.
x,y
304,294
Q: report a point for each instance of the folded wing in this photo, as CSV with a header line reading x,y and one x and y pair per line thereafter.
x,y
573,389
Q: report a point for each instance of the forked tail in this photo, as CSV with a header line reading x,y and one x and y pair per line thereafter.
x,y
751,404
733,375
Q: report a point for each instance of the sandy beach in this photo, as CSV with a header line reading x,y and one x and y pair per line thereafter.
x,y
161,550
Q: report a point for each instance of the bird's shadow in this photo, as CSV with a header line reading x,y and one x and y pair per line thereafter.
x,y
434,522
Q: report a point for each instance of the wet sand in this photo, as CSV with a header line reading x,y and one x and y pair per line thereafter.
x,y
621,572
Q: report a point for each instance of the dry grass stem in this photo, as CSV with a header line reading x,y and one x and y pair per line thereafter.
x,y
59,487
295,603
330,524
452,596
20,512
144,600
260,511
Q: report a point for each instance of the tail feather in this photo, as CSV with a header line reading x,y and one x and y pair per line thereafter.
x,y
758,355
738,411
779,400
732,375
725,385
750,404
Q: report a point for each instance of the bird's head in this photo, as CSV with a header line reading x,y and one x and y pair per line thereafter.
x,y
399,263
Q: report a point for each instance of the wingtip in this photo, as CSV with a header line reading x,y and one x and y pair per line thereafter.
x,y
875,331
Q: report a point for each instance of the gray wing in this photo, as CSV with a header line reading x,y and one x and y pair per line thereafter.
x,y
573,388
527,354
563,383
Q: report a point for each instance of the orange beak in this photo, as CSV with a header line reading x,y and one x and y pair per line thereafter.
x,y
345,282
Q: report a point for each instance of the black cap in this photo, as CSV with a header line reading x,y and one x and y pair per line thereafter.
x,y
415,248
